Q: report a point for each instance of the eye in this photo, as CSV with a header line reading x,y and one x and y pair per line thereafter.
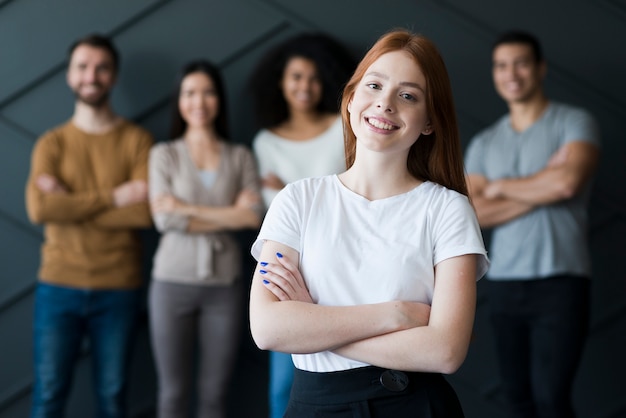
x,y
375,86
408,96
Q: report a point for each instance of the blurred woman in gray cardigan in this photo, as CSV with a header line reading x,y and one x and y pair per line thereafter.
x,y
201,188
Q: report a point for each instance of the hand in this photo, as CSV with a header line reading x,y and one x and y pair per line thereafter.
x,y
493,190
166,203
49,184
412,314
271,181
558,158
284,280
247,199
131,192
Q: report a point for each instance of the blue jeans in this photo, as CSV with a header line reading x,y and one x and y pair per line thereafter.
x,y
63,316
281,379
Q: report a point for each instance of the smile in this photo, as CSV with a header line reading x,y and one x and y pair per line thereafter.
x,y
380,124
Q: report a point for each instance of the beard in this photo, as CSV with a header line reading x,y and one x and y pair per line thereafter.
x,y
94,100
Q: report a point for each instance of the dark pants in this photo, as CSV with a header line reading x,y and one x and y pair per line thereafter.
x,y
359,393
540,329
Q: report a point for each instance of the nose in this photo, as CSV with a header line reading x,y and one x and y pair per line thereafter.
x,y
385,102
90,74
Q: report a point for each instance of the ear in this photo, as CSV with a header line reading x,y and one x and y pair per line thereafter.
x,y
428,129
350,106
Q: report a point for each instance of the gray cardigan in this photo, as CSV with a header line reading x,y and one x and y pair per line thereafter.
x,y
198,258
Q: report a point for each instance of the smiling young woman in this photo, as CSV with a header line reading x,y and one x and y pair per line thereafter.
x,y
356,270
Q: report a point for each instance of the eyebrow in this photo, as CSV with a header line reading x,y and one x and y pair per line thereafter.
x,y
402,83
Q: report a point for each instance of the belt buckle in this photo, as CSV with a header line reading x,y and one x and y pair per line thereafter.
x,y
394,380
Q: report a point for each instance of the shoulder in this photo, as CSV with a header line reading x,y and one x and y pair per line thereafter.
x,y
262,137
308,188
441,199
166,150
134,132
55,136
565,110
492,131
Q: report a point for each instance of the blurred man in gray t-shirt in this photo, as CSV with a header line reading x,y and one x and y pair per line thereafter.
x,y
529,177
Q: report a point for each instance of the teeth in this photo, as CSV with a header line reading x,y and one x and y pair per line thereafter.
x,y
380,125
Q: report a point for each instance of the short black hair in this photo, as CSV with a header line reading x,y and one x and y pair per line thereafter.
x,y
520,37
332,60
178,124
97,40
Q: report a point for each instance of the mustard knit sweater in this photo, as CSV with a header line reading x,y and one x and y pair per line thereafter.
x,y
89,243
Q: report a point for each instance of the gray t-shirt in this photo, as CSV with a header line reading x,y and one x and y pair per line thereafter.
x,y
552,239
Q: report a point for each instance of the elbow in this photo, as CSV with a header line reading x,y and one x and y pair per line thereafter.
x,y
451,360
262,337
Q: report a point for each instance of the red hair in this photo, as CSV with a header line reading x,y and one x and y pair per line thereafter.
x,y
437,157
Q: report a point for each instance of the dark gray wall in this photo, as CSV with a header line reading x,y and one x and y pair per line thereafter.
x,y
584,46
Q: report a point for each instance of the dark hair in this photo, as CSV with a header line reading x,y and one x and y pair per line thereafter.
x,y
97,41
334,65
436,157
179,125
520,37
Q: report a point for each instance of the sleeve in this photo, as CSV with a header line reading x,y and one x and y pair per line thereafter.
x,y
283,221
161,166
57,207
456,232
264,159
138,215
250,177
473,157
579,125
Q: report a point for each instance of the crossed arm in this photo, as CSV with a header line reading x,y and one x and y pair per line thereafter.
x,y
499,201
397,334
210,218
48,199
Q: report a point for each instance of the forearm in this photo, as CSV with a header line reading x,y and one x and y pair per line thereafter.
x,y
65,207
422,349
197,225
299,327
543,188
494,212
133,216
223,217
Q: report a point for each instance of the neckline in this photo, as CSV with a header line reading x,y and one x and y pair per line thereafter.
x,y
354,195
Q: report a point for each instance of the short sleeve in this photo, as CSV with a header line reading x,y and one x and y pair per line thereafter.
x,y
283,221
456,232
579,125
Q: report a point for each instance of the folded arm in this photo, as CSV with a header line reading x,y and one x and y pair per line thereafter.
x,y
565,175
439,346
296,326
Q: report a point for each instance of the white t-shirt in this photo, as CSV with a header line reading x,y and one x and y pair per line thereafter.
x,y
294,160
356,251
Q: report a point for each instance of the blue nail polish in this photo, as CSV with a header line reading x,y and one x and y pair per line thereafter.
x,y
262,271
263,263
265,281
279,255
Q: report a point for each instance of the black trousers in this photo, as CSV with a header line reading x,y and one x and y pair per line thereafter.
x,y
359,393
540,329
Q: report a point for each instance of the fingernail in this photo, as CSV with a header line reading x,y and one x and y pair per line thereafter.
x,y
262,271
263,263
279,255
265,281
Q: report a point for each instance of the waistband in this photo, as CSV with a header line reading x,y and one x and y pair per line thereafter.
x,y
358,384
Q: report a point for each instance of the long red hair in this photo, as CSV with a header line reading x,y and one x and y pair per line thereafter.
x,y
437,157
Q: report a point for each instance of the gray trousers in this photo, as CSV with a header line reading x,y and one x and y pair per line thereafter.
x,y
183,317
